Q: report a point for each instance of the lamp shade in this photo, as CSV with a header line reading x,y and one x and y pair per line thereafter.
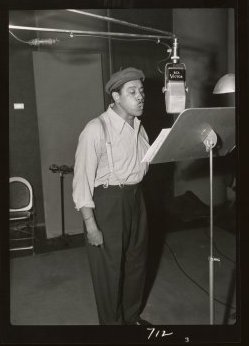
x,y
226,84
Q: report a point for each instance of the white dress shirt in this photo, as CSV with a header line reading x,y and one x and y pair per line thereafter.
x,y
91,168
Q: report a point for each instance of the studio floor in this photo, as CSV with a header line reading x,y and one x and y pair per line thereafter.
x,y
53,286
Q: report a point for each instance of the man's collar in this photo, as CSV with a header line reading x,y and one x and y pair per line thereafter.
x,y
118,122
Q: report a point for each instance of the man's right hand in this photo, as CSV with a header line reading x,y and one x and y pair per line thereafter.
x,y
95,237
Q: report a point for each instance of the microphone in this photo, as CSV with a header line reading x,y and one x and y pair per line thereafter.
x,y
43,42
174,85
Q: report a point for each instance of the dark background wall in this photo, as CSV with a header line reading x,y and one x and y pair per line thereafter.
x,y
206,47
24,149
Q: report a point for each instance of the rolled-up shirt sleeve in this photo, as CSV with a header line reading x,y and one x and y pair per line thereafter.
x,y
86,162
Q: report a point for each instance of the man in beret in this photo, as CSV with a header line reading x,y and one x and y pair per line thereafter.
x,y
107,190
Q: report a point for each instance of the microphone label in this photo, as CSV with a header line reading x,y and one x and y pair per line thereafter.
x,y
176,74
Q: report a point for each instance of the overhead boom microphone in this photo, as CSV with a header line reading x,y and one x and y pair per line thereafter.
x,y
175,83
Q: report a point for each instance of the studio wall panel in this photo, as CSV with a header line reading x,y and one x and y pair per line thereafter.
x,y
69,92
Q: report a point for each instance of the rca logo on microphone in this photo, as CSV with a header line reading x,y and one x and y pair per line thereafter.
x,y
176,74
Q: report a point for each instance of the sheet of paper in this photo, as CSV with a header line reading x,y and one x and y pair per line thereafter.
x,y
153,149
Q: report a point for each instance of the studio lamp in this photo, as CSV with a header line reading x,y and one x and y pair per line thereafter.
x,y
226,84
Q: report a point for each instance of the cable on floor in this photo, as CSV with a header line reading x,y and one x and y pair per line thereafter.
x,y
217,249
192,280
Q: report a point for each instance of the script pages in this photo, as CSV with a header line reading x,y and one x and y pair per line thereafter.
x,y
156,145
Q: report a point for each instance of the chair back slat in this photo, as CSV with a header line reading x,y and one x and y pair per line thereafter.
x,y
20,194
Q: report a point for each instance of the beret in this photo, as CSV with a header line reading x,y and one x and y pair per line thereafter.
x,y
123,76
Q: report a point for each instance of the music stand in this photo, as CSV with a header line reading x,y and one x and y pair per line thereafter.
x,y
201,133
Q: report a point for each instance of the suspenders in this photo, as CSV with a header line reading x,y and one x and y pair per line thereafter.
x,y
109,150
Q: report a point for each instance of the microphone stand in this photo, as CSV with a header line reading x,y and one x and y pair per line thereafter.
x,y
62,205
62,170
210,142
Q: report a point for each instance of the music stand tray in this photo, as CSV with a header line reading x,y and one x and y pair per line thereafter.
x,y
185,138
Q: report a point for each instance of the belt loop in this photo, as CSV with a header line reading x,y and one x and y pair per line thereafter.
x,y
106,184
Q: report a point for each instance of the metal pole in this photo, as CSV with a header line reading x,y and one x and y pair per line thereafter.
x,y
211,262
90,33
62,206
210,142
123,22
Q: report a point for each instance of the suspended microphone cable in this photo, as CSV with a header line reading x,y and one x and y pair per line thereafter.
x,y
18,39
37,41
157,41
218,250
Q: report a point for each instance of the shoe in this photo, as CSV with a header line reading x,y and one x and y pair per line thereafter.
x,y
141,322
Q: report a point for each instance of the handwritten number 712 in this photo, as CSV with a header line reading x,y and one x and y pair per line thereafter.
x,y
156,333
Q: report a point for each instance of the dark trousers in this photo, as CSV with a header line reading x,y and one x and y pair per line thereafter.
x,y
118,268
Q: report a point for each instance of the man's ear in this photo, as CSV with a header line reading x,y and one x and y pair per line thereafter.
x,y
115,96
